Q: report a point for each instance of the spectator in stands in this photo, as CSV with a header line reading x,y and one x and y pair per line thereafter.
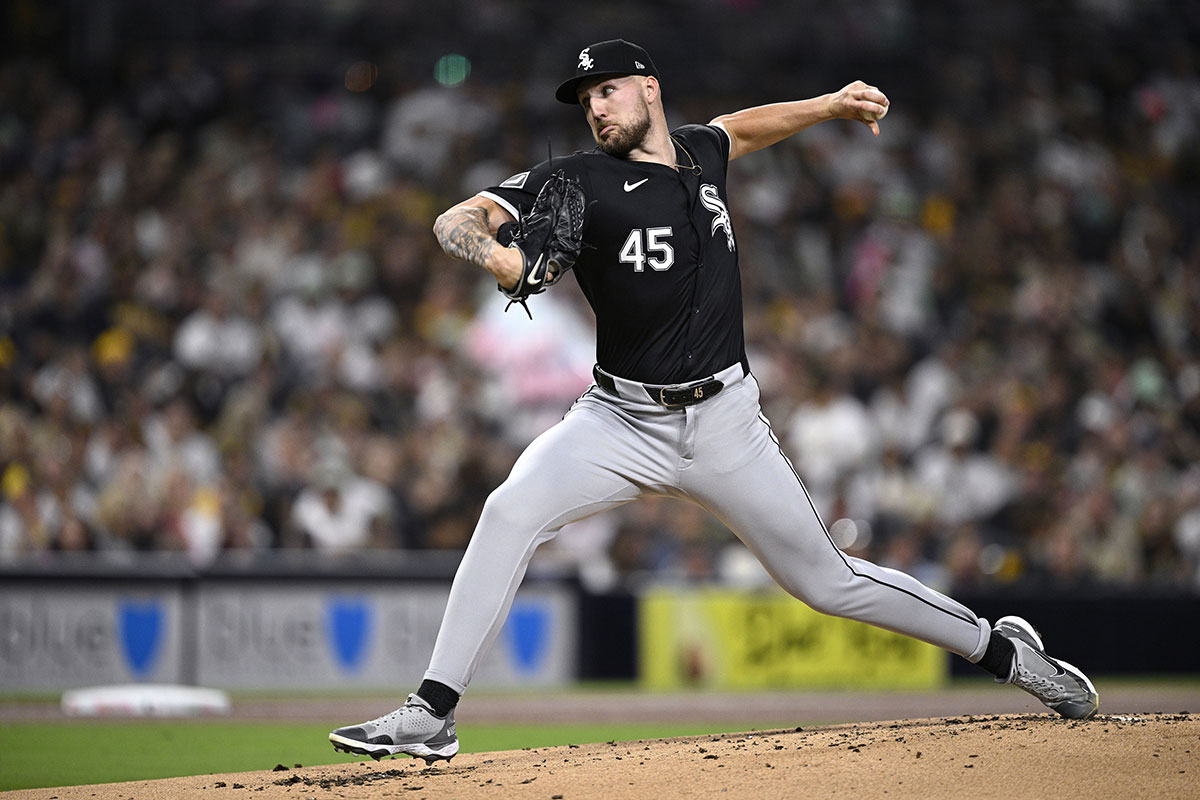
x,y
340,512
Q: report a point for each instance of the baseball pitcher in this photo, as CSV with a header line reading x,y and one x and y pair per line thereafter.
x,y
643,222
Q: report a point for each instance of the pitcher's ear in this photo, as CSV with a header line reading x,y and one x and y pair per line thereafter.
x,y
651,88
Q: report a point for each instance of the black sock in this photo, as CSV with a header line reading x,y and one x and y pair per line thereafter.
x,y
999,656
441,698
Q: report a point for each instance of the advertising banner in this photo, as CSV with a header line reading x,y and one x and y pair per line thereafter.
x,y
730,639
367,635
54,636
274,634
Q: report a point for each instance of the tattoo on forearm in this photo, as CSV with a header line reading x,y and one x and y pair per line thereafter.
x,y
464,233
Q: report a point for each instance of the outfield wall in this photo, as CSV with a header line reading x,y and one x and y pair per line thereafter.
x,y
370,623
337,627
1146,633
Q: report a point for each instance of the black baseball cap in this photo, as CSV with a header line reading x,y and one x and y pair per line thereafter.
x,y
605,59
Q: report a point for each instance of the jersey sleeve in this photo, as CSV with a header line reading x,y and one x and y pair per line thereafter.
x,y
726,140
709,141
517,193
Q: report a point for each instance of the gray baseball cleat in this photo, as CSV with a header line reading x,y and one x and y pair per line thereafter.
x,y
413,729
1057,684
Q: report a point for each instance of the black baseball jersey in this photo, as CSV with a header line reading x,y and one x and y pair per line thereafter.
x,y
659,265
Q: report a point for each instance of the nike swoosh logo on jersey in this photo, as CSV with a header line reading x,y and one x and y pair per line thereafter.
x,y
629,187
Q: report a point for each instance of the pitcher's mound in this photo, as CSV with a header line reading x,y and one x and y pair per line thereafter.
x,y
1008,757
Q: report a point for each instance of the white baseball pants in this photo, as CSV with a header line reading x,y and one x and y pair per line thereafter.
x,y
720,454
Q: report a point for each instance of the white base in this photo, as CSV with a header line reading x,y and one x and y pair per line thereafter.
x,y
145,700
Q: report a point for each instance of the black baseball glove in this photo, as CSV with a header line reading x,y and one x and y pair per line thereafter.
x,y
549,236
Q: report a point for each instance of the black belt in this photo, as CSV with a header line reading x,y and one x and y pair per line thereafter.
x,y
679,395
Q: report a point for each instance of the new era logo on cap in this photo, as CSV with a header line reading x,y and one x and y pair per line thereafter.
x,y
602,59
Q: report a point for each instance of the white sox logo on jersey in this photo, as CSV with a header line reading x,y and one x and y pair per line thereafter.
x,y
713,202
585,59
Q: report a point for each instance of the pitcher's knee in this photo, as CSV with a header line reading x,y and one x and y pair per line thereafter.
x,y
510,513
821,596
504,511
833,605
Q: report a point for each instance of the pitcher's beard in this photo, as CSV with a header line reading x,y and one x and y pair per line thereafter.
x,y
622,143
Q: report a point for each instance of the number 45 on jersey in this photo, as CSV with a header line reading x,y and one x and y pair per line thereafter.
x,y
648,246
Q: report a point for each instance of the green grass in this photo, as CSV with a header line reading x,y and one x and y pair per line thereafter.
x,y
31,754
84,751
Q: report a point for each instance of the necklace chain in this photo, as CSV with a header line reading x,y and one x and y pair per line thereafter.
x,y
693,167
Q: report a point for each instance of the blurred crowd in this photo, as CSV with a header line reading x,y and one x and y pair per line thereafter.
x,y
226,326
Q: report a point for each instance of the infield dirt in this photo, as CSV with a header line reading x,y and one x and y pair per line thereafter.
x,y
1009,756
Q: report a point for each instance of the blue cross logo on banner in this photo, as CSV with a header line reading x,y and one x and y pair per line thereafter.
x,y
348,628
140,632
527,632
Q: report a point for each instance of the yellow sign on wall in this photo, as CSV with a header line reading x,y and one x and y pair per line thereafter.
x,y
730,639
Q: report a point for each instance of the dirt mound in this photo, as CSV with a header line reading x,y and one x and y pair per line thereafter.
x,y
1000,756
